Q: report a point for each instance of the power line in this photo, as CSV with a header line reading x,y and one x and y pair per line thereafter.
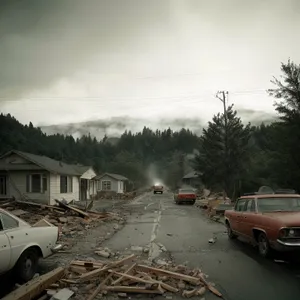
x,y
122,99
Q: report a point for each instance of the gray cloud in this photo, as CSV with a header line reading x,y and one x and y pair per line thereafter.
x,y
43,41
74,60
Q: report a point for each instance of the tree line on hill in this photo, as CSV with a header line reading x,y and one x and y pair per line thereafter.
x,y
229,155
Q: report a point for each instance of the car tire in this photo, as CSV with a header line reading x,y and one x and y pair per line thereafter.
x,y
193,202
27,265
230,233
263,244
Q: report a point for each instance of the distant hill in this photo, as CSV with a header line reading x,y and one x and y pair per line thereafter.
x,y
114,127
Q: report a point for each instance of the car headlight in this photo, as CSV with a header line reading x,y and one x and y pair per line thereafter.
x,y
286,232
291,232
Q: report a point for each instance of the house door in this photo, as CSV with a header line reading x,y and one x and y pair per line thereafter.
x,y
83,189
3,185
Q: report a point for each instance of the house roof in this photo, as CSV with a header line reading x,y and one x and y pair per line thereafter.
x,y
193,174
44,162
115,176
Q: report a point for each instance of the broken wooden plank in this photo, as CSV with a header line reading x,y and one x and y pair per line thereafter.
x,y
214,291
189,294
36,286
100,287
209,286
190,279
164,285
38,204
131,277
88,264
122,277
121,262
98,272
68,281
132,289
5,204
77,210
78,269
92,274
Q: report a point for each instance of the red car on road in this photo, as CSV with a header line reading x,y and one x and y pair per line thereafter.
x,y
271,221
185,195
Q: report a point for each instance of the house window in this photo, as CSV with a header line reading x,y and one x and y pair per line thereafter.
x,y
36,183
106,185
66,184
3,185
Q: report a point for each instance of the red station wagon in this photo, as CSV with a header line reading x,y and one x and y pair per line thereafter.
x,y
271,221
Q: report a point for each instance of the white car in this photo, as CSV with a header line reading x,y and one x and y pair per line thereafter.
x,y
21,245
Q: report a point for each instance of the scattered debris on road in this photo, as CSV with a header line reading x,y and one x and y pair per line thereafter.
x,y
110,195
90,279
212,241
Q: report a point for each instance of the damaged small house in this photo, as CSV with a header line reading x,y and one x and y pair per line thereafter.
x,y
26,176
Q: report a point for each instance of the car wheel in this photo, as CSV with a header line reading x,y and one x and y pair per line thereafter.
x,y
263,245
193,202
230,233
27,265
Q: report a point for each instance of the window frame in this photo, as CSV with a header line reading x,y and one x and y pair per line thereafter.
x,y
103,182
3,224
236,204
43,180
252,206
68,184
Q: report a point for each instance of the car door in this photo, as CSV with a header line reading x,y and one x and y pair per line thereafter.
x,y
5,251
17,236
248,217
235,221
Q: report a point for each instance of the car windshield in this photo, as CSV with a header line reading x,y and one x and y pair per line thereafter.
x,y
278,204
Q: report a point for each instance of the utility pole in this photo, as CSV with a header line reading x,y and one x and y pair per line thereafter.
x,y
223,100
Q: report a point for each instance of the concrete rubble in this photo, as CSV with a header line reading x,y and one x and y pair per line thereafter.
x,y
124,277
71,220
214,204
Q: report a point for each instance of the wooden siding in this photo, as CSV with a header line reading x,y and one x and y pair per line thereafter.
x,y
17,187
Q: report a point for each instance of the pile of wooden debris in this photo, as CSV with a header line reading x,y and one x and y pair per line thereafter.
x,y
88,280
71,220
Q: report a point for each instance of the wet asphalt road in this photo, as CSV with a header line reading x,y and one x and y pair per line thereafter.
x,y
235,267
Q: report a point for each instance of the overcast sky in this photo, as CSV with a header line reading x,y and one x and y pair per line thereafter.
x,y
72,61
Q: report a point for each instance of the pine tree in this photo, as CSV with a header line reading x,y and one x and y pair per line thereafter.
x,y
223,152
287,137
